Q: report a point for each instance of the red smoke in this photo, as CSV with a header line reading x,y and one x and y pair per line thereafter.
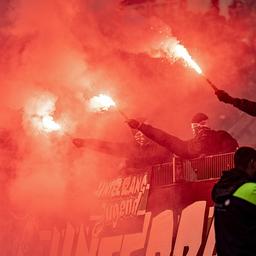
x,y
73,50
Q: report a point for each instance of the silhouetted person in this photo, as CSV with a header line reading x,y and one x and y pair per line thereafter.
x,y
246,106
205,142
234,196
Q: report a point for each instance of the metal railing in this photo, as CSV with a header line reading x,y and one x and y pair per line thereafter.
x,y
180,170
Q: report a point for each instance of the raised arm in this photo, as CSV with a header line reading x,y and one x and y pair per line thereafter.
x,y
116,149
172,143
245,105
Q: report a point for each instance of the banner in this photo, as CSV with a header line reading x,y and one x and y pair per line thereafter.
x,y
175,219
122,201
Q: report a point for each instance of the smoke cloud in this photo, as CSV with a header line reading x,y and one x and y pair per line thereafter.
x,y
56,55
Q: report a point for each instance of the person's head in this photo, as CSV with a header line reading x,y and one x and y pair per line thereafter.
x,y
198,122
140,139
245,159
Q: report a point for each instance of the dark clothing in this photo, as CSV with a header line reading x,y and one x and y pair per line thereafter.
x,y
235,222
246,106
147,155
229,182
136,156
207,142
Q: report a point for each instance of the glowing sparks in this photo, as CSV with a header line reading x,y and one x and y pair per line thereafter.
x,y
39,111
49,125
174,50
101,102
45,123
181,52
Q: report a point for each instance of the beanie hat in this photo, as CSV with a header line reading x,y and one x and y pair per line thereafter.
x,y
199,117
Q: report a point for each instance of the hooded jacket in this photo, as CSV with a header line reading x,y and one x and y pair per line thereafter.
x,y
234,196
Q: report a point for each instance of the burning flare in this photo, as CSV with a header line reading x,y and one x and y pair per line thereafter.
x,y
101,102
39,111
174,50
181,52
49,125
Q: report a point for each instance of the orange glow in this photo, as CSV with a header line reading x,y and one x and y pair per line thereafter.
x,y
49,125
174,50
39,111
45,123
181,52
101,102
